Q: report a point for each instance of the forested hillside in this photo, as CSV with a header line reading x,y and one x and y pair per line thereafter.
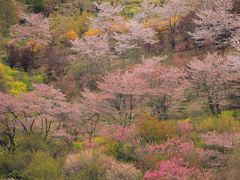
x,y
119,89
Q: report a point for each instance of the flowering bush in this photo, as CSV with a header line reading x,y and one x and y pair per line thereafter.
x,y
149,155
119,171
174,148
173,169
226,140
185,127
88,163
118,132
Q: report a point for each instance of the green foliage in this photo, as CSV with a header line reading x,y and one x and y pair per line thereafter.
x,y
228,114
68,27
31,151
8,16
43,167
197,141
130,9
221,124
16,82
93,172
32,144
151,129
13,165
78,145
121,151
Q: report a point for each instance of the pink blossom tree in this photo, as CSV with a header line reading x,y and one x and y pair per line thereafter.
x,y
107,15
35,29
96,49
33,112
92,47
170,11
212,79
136,36
8,124
216,25
166,85
126,88
86,114
33,33
94,53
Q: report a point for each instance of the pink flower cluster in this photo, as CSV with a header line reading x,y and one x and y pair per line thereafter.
x,y
118,132
172,169
174,147
179,148
154,148
226,140
185,127
90,145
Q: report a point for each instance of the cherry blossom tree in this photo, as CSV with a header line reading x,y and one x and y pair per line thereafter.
x,y
35,28
147,9
32,34
8,123
216,25
126,88
136,36
160,84
33,112
107,15
86,114
212,79
92,47
172,11
166,85
95,51
96,48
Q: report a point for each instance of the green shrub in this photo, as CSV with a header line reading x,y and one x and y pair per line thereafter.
x,y
151,129
221,124
197,141
13,165
120,151
43,167
32,143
